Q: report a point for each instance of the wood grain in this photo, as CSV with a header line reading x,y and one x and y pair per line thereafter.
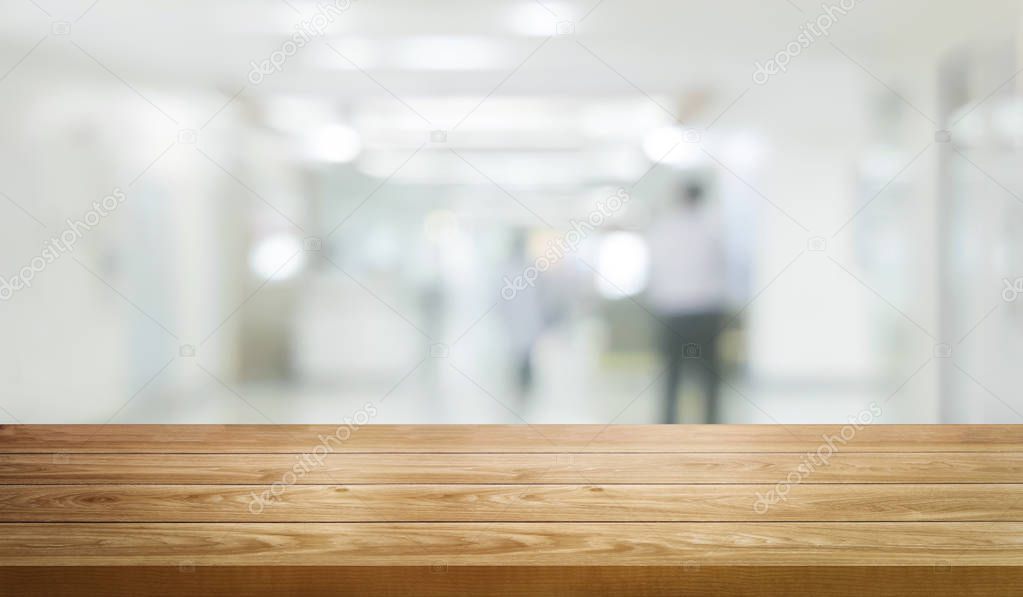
x,y
509,503
511,510
298,439
939,580
513,544
240,469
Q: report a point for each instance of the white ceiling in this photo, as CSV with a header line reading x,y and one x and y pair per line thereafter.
x,y
463,47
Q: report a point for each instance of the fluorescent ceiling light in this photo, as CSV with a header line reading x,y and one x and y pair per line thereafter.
x,y
278,256
450,53
334,143
539,18
670,145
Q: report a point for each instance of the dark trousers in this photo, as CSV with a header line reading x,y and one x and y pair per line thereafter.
x,y
690,346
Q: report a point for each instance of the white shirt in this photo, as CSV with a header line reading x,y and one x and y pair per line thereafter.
x,y
687,261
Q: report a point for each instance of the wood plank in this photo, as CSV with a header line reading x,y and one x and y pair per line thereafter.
x,y
509,503
512,581
969,467
496,499
514,544
506,438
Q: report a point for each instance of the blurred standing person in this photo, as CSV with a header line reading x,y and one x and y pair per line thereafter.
x,y
687,290
523,314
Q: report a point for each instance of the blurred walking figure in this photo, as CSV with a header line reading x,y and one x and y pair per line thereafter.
x,y
687,290
524,316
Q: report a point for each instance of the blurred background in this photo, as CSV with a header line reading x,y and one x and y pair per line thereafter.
x,y
510,211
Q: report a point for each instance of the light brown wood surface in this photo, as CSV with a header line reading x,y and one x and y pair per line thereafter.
x,y
658,510
509,503
515,544
474,439
610,468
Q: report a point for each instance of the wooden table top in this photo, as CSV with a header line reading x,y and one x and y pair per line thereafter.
x,y
675,498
